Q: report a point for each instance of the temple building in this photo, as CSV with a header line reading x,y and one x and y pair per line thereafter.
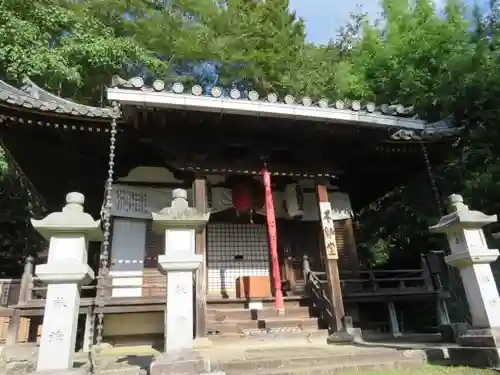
x,y
282,179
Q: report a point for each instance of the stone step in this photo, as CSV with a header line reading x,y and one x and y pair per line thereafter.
x,y
280,357
351,368
121,369
307,361
312,359
257,337
221,314
270,324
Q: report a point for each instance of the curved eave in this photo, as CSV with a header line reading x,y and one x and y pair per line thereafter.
x,y
35,91
18,99
19,112
153,99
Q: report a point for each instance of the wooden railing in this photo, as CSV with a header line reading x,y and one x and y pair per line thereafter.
x,y
13,291
383,281
316,290
370,285
355,283
31,289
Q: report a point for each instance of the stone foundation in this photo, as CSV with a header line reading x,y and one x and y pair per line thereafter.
x,y
480,347
182,362
451,332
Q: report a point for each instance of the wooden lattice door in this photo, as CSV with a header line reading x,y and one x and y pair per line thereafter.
x,y
155,283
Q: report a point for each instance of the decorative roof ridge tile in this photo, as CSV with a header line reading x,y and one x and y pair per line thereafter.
x,y
137,83
34,97
407,126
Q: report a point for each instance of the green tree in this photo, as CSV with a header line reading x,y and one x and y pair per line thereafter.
x,y
446,66
253,43
63,46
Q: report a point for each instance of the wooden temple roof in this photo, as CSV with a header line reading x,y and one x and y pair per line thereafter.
x,y
31,96
399,120
57,142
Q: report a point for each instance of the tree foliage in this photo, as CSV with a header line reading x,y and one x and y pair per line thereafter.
x,y
64,46
443,62
446,65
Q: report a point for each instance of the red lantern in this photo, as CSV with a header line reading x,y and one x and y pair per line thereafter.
x,y
242,197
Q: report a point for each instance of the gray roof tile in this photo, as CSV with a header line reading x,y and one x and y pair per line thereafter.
x,y
34,97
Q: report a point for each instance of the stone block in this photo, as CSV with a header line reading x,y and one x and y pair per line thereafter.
x,y
348,335
478,347
351,335
475,357
71,371
18,359
179,362
451,332
202,343
18,368
482,338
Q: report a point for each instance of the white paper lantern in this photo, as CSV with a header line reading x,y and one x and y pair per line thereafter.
x,y
294,200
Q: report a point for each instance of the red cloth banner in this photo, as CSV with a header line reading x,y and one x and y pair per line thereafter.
x,y
273,241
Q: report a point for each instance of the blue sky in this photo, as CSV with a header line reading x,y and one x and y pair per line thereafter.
x,y
323,18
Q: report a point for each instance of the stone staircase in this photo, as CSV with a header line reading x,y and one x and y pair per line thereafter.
x,y
235,319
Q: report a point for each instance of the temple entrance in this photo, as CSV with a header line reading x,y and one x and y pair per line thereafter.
x,y
238,255
237,252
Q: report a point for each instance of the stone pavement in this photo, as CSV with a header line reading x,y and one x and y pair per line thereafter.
x,y
258,358
294,357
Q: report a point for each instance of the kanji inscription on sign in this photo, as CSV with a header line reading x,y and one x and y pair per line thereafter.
x,y
328,226
59,302
56,336
180,289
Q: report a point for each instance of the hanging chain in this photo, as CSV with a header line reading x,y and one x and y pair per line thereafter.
x,y
106,216
432,179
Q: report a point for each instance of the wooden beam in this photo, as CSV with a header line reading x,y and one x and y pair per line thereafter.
x,y
200,202
331,257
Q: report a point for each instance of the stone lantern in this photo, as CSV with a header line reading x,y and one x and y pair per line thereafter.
x,y
471,255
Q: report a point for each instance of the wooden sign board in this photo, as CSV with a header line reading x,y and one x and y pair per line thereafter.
x,y
138,201
328,226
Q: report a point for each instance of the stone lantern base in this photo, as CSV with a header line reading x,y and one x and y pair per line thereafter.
x,y
478,347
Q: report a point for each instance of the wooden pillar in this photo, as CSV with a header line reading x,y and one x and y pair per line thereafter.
x,y
200,202
88,331
273,243
331,257
393,319
13,328
26,281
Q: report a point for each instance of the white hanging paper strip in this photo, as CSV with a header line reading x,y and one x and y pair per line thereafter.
x,y
279,206
341,206
292,204
138,201
221,199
